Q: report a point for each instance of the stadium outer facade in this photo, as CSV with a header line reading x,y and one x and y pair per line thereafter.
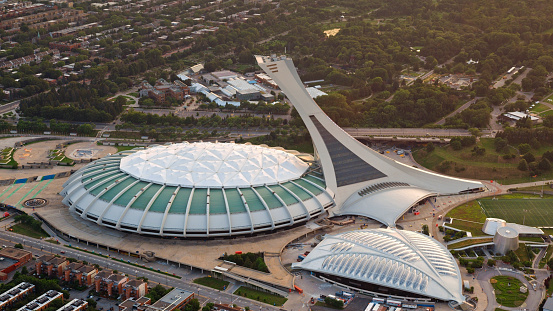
x,y
364,182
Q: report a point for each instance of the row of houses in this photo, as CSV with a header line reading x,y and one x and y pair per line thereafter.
x,y
43,19
26,60
24,289
105,282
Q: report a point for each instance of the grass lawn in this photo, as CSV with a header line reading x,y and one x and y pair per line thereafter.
x,y
29,231
522,254
133,94
507,291
546,257
468,242
529,210
468,211
547,113
123,148
267,298
540,108
516,207
474,228
212,282
489,166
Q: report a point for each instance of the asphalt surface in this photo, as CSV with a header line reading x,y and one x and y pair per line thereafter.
x,y
41,247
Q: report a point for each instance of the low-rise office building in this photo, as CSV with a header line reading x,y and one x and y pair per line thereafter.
x,y
12,258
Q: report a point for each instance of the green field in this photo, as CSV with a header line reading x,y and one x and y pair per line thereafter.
x,y
212,282
490,166
507,291
260,296
531,211
540,108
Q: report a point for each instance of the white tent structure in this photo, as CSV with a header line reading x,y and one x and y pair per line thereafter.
x,y
403,261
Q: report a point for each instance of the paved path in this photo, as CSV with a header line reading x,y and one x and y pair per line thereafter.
x,y
458,110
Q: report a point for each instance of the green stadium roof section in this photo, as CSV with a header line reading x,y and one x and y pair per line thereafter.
x,y
350,168
198,190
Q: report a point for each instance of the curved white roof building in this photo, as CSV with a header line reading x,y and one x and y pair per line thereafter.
x,y
365,182
198,190
406,263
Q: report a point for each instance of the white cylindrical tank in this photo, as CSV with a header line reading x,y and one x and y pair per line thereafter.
x,y
505,239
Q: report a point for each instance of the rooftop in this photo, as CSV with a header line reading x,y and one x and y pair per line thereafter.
x,y
213,165
13,253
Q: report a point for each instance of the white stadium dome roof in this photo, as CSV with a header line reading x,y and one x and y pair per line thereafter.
x,y
398,259
198,190
213,165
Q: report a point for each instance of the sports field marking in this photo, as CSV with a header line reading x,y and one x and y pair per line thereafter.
x,y
43,187
4,199
534,212
26,194
7,189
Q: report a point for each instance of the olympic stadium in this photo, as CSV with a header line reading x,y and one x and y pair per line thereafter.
x,y
199,190
214,190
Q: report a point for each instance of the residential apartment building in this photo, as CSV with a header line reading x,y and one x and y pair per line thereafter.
x,y
135,288
79,273
15,294
109,284
75,305
51,265
42,302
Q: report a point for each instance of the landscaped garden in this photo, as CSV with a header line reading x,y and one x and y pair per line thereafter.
x,y
249,260
212,282
260,296
507,291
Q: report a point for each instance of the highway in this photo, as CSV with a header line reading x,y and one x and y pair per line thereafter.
x,y
40,247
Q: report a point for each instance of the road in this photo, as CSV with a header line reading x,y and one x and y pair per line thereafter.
x,y
419,132
9,107
458,110
40,247
534,296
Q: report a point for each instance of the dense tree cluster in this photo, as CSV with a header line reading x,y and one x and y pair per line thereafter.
x,y
249,260
133,118
73,102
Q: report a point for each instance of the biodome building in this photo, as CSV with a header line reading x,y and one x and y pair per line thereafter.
x,y
198,190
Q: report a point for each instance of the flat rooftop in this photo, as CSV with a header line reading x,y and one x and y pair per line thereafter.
x,y
13,253
6,262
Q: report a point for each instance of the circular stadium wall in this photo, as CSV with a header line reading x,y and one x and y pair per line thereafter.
x,y
198,190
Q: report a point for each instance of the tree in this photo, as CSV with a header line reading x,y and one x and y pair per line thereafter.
x,y
491,262
193,305
430,147
18,245
544,164
524,148
522,165
456,145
